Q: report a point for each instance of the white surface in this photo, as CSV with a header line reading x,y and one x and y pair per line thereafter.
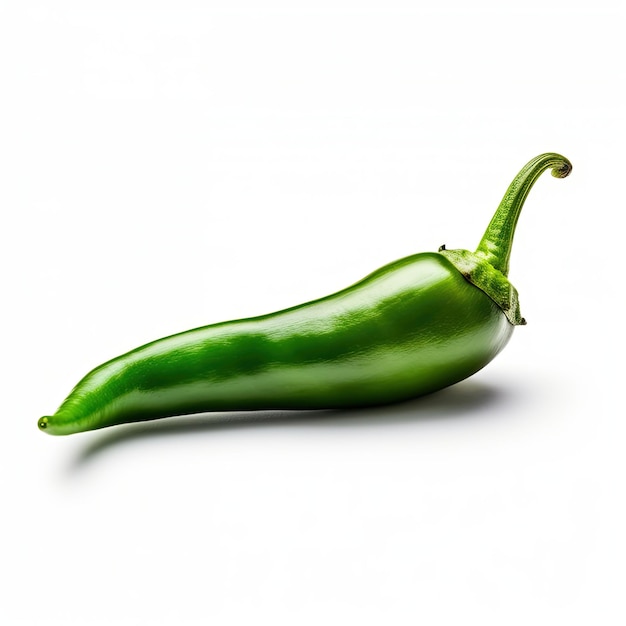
x,y
165,165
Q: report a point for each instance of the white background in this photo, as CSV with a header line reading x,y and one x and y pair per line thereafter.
x,y
165,165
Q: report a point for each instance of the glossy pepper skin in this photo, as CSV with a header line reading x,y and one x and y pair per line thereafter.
x,y
410,328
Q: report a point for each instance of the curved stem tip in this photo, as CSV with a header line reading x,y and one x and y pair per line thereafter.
x,y
495,246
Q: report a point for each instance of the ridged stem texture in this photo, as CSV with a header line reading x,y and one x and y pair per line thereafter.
x,y
495,246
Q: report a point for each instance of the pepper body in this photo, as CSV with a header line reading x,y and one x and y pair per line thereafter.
x,y
410,328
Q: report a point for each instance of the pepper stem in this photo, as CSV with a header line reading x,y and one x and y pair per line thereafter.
x,y
495,246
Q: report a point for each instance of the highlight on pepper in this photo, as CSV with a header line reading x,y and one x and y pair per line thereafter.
x,y
407,329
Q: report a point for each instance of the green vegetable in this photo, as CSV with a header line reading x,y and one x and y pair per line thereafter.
x,y
410,328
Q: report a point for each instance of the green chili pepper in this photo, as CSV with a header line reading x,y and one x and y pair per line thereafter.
x,y
410,328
